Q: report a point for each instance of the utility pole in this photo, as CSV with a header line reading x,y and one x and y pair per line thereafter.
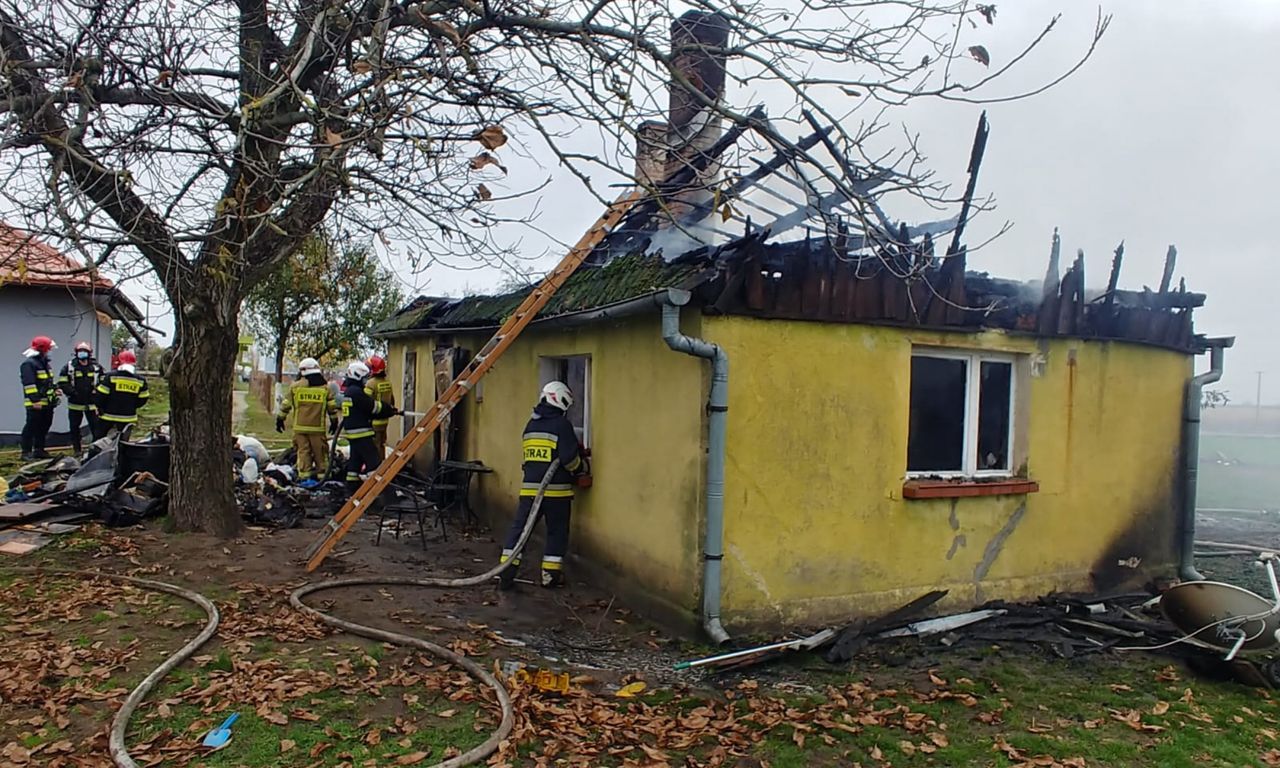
x,y
1257,402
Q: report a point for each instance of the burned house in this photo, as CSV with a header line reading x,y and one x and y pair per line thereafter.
x,y
810,418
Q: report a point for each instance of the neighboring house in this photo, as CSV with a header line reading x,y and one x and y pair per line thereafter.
x,y
46,293
891,423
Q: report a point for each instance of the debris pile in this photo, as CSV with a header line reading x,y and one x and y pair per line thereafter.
x,y
119,483
1056,625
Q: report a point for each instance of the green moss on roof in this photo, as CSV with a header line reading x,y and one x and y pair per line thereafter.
x,y
411,315
626,277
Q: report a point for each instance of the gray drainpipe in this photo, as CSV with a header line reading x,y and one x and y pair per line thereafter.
x,y
718,408
1191,458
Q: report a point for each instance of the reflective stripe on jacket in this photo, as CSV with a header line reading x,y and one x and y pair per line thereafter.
x,y
358,409
549,436
383,392
119,396
78,381
311,405
38,387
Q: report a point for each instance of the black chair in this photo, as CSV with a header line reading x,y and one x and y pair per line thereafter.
x,y
406,495
451,490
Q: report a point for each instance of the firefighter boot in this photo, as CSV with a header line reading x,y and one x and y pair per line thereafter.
x,y
507,578
552,579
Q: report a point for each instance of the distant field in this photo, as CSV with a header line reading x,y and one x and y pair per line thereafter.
x,y
1239,472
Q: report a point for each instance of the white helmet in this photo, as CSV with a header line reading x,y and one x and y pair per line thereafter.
x,y
308,366
557,393
358,370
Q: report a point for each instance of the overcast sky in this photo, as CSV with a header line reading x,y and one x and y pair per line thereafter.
x,y
1166,136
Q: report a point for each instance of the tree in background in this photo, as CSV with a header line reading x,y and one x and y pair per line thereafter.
x,y
364,294
120,338
206,141
322,302
301,285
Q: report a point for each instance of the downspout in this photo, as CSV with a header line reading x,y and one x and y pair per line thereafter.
x,y
1191,457
717,408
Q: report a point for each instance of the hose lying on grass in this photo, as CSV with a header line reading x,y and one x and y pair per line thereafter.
x,y
490,745
120,723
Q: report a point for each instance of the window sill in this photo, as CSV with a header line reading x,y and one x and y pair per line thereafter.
x,y
964,488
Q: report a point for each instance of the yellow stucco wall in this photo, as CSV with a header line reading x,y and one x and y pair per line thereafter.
x,y
815,524
642,518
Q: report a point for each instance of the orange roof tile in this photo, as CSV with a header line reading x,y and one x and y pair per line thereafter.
x,y
24,260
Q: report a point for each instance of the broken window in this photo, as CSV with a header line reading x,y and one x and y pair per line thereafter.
x,y
961,414
574,370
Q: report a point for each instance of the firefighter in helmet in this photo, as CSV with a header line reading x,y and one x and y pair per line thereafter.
x,y
380,389
313,405
39,397
359,409
120,393
547,437
78,380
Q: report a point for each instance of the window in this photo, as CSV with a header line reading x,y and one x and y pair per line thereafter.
x,y
575,371
961,414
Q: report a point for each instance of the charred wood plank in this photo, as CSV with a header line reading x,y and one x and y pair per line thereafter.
x,y
1170,260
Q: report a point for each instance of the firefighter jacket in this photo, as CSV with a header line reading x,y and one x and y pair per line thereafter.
x,y
549,436
311,402
359,407
120,395
78,381
38,388
381,389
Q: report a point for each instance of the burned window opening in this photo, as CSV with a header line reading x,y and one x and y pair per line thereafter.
x,y
574,370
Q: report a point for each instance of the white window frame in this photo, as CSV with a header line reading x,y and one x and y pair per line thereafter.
x,y
548,366
972,400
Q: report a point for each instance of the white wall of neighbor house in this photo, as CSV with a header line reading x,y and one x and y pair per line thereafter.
x,y
63,316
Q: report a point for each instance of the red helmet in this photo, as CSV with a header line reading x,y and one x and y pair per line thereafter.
x,y
84,346
127,357
43,344
376,365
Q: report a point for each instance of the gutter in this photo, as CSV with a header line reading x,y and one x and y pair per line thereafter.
x,y
1191,457
718,408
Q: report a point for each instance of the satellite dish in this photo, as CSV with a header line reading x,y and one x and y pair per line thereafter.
x,y
1223,616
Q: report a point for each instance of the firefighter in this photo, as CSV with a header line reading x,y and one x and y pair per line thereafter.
x,y
313,405
120,394
380,389
78,379
359,408
39,397
547,437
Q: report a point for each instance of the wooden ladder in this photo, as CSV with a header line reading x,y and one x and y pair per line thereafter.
x,y
475,370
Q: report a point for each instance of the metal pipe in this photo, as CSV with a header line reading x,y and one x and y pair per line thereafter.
x,y
718,414
1191,458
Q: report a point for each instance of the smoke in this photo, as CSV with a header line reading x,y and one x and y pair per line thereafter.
x,y
675,241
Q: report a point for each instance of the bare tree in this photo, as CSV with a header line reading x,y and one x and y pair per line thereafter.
x,y
205,140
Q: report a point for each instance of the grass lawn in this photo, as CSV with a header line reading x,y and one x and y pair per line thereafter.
x,y
308,696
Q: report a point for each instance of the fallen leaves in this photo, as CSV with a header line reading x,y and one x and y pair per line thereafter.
x,y
1133,719
413,758
287,745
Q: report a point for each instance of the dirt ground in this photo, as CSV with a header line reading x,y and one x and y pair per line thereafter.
x,y
580,625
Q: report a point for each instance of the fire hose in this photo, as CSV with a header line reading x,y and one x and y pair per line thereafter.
x,y
120,723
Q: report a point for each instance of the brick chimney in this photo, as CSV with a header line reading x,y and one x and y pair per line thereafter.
x,y
697,39
651,153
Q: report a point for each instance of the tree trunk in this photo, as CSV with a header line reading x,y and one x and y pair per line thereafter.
x,y
280,361
201,496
